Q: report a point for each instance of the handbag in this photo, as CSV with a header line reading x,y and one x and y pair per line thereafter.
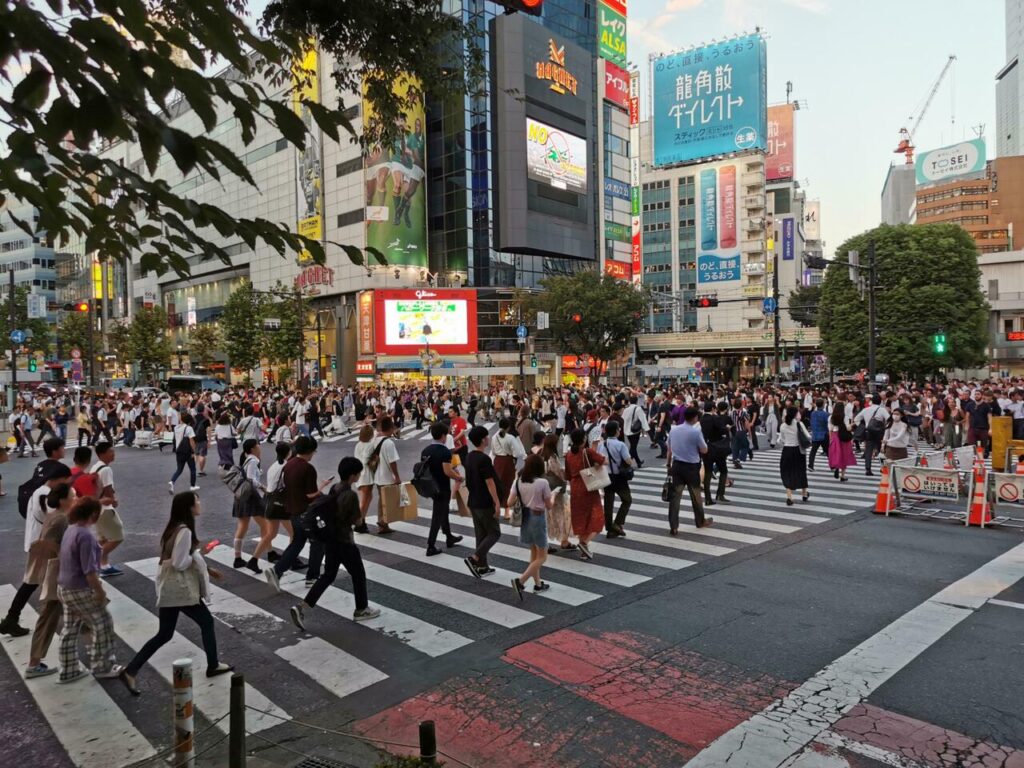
x,y
517,510
625,471
595,476
176,588
666,489
802,437
48,590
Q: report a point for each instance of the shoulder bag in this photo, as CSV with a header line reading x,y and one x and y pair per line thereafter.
x,y
625,471
176,588
802,437
595,476
374,460
517,510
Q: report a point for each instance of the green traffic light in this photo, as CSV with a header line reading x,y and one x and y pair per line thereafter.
x,y
32,364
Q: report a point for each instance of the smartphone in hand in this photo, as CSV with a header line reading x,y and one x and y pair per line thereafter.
x,y
210,546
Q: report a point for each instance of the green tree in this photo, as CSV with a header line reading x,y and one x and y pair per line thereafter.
x,y
803,304
38,328
73,333
105,71
928,279
609,312
285,346
204,342
119,343
241,325
149,344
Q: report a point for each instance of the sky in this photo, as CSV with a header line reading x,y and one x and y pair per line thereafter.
x,y
860,69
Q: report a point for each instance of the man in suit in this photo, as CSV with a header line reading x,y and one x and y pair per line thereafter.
x,y
715,428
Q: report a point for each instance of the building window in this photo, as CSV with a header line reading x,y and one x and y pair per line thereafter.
x,y
350,166
351,217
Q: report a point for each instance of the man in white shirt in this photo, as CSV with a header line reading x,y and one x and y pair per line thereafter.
x,y
386,474
109,527
636,424
874,418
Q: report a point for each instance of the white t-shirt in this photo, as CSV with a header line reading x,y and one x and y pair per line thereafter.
x,y
388,454
104,477
274,476
183,432
223,430
36,514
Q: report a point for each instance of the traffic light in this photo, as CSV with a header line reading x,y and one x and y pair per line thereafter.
x,y
32,365
82,306
334,363
577,317
939,343
533,361
703,302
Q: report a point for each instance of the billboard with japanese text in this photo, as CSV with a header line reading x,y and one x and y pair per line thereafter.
x,y
939,165
717,214
616,85
611,32
779,163
709,101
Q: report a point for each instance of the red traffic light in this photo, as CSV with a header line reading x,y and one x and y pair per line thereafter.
x,y
82,306
577,317
704,302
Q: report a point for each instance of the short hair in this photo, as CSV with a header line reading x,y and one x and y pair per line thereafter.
x,y
103,446
386,424
477,435
51,445
690,413
611,429
438,430
57,495
57,471
86,508
348,466
304,444
82,455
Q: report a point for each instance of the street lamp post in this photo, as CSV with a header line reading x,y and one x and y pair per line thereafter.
x,y
426,339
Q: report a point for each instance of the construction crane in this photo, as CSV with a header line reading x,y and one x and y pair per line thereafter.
x,y
906,145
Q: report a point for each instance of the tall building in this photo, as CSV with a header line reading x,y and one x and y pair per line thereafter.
x,y
898,194
29,256
1009,98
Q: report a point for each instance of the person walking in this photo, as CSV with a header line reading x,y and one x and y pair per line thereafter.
x,y
184,452
585,506
532,492
840,443
275,513
873,419
201,427
364,485
686,447
83,598
559,520
740,434
341,550
507,449
383,462
182,585
819,432
250,506
226,439
620,469
770,417
484,502
896,441
438,459
636,424
795,439
715,429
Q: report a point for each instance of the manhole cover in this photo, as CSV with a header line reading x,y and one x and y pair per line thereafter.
x,y
320,762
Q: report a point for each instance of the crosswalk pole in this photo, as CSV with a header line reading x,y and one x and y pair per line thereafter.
x,y
428,742
184,746
236,723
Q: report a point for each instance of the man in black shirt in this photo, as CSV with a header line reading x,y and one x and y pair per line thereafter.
x,y
439,463
481,482
716,435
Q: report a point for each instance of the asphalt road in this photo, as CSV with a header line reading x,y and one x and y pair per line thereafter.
x,y
644,657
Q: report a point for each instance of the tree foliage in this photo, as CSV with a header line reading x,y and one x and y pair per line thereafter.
x,y
38,327
803,304
610,313
242,327
149,344
928,280
286,345
204,342
104,71
73,333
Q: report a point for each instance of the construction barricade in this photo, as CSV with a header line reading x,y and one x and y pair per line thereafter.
x,y
1004,491
914,490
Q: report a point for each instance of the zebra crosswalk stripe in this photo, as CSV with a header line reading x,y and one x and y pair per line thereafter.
x,y
86,721
638,515
417,634
337,671
135,625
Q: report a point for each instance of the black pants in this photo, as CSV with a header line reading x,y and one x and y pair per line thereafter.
x,y
815,445
338,553
182,460
688,475
487,531
291,553
620,488
634,442
200,614
19,602
870,448
715,459
439,515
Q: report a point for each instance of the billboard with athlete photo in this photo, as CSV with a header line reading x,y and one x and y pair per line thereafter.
x,y
395,175
309,179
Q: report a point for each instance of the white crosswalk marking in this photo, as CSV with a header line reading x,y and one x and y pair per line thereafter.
x,y
652,517
423,637
88,724
331,667
135,625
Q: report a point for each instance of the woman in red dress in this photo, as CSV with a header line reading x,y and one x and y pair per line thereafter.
x,y
585,507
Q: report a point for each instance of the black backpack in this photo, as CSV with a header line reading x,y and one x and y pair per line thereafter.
x,y
318,521
25,491
423,479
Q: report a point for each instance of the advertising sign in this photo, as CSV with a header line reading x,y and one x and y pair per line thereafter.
x,y
555,157
788,240
190,315
553,69
309,177
396,205
402,314
365,302
611,30
812,220
616,85
779,163
947,163
717,200
312,278
366,367
709,101
636,250
616,188
615,231
620,270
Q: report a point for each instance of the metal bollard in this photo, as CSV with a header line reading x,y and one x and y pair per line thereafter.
x,y
428,742
236,723
184,726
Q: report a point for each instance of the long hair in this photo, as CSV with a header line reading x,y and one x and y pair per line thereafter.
x,y
533,468
838,415
181,514
550,447
576,439
790,415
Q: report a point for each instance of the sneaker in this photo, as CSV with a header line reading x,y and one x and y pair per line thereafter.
x,y
194,488
39,670
272,580
541,587
517,585
298,617
78,674
170,488
220,669
113,671
310,582
365,614
585,552
13,629
485,571
110,570
472,567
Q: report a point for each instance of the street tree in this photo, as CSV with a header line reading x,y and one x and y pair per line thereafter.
x,y
803,304
286,345
241,325
928,280
73,333
119,342
149,344
590,314
38,328
83,74
204,342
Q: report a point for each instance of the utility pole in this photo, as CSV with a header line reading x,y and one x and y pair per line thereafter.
x,y
14,348
872,330
777,320
302,343
319,351
92,351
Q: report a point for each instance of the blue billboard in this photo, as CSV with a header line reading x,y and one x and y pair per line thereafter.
x,y
710,101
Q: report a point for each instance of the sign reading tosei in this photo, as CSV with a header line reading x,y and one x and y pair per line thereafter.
x,y
946,163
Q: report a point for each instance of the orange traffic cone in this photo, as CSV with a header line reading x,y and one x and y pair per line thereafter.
x,y
980,513
885,501
979,457
1020,465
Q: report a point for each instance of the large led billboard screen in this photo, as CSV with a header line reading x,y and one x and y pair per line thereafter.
x,y
402,314
555,157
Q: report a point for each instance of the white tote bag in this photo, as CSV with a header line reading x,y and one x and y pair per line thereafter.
x,y
594,476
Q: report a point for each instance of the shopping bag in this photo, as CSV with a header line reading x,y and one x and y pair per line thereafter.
x,y
408,499
398,502
462,501
594,476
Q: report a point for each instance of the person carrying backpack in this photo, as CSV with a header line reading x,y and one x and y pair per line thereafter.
x,y
437,461
184,452
873,419
333,515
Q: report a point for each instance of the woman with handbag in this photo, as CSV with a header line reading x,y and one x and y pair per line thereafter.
x,y
795,440
250,505
227,441
559,521
181,585
533,494
585,504
507,447
840,443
